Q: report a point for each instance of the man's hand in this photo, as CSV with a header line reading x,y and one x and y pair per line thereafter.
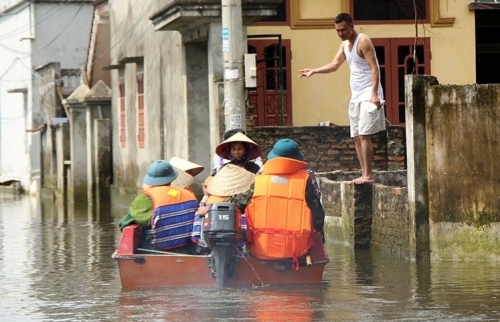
x,y
377,101
306,72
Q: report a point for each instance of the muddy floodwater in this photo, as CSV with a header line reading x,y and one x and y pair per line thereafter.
x,y
56,265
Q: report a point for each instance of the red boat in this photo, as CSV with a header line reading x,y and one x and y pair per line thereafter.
x,y
143,268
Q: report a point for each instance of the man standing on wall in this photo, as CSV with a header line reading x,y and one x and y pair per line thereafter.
x,y
366,111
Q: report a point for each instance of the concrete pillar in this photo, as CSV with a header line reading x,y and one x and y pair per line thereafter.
x,y
215,85
77,165
418,195
98,108
77,193
62,155
102,160
90,154
234,46
361,221
197,105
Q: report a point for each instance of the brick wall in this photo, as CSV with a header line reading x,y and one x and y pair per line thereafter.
x,y
329,148
391,219
368,215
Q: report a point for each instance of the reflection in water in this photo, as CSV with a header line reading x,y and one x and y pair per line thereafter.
x,y
58,261
56,265
252,304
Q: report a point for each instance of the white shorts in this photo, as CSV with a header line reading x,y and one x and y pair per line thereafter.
x,y
365,119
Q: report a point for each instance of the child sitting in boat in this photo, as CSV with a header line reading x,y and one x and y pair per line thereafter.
x,y
231,184
240,150
164,211
285,208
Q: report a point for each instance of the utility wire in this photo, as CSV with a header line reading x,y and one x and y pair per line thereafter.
x,y
14,13
130,30
23,28
59,34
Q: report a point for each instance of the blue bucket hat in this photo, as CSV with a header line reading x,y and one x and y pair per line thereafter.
x,y
160,173
286,148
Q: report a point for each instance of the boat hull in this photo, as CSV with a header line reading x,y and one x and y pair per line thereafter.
x,y
180,270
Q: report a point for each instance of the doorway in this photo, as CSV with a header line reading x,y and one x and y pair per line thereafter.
x,y
271,99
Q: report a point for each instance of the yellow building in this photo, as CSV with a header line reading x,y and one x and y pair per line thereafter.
x,y
446,48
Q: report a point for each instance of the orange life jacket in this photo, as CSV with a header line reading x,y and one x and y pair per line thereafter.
x,y
173,215
278,218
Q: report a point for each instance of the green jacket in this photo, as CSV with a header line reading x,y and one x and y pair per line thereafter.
x,y
140,212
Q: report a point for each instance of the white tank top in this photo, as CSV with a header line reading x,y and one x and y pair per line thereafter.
x,y
361,75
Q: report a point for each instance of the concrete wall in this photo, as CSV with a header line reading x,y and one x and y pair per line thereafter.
x,y
181,80
62,33
165,98
445,207
462,165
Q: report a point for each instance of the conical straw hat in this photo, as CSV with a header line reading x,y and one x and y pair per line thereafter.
x,y
187,166
183,180
230,180
254,150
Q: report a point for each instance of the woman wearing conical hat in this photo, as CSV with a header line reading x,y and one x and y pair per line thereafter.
x,y
218,162
240,150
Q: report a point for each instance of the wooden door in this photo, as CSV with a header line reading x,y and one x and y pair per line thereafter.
x,y
271,99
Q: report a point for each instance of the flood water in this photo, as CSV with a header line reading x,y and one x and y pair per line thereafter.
x,y
56,265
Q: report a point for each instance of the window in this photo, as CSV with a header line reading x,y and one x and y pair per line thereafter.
x,y
123,115
281,17
389,10
140,109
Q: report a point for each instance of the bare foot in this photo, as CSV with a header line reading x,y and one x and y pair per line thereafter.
x,y
362,180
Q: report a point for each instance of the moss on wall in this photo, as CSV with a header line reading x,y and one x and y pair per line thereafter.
x,y
460,241
463,152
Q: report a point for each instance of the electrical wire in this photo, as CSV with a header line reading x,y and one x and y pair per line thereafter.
x,y
21,29
15,13
60,33
129,31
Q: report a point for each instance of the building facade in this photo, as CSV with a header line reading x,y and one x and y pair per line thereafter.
x,y
167,74
34,34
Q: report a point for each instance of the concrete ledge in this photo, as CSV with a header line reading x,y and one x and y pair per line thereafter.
x,y
183,15
387,178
